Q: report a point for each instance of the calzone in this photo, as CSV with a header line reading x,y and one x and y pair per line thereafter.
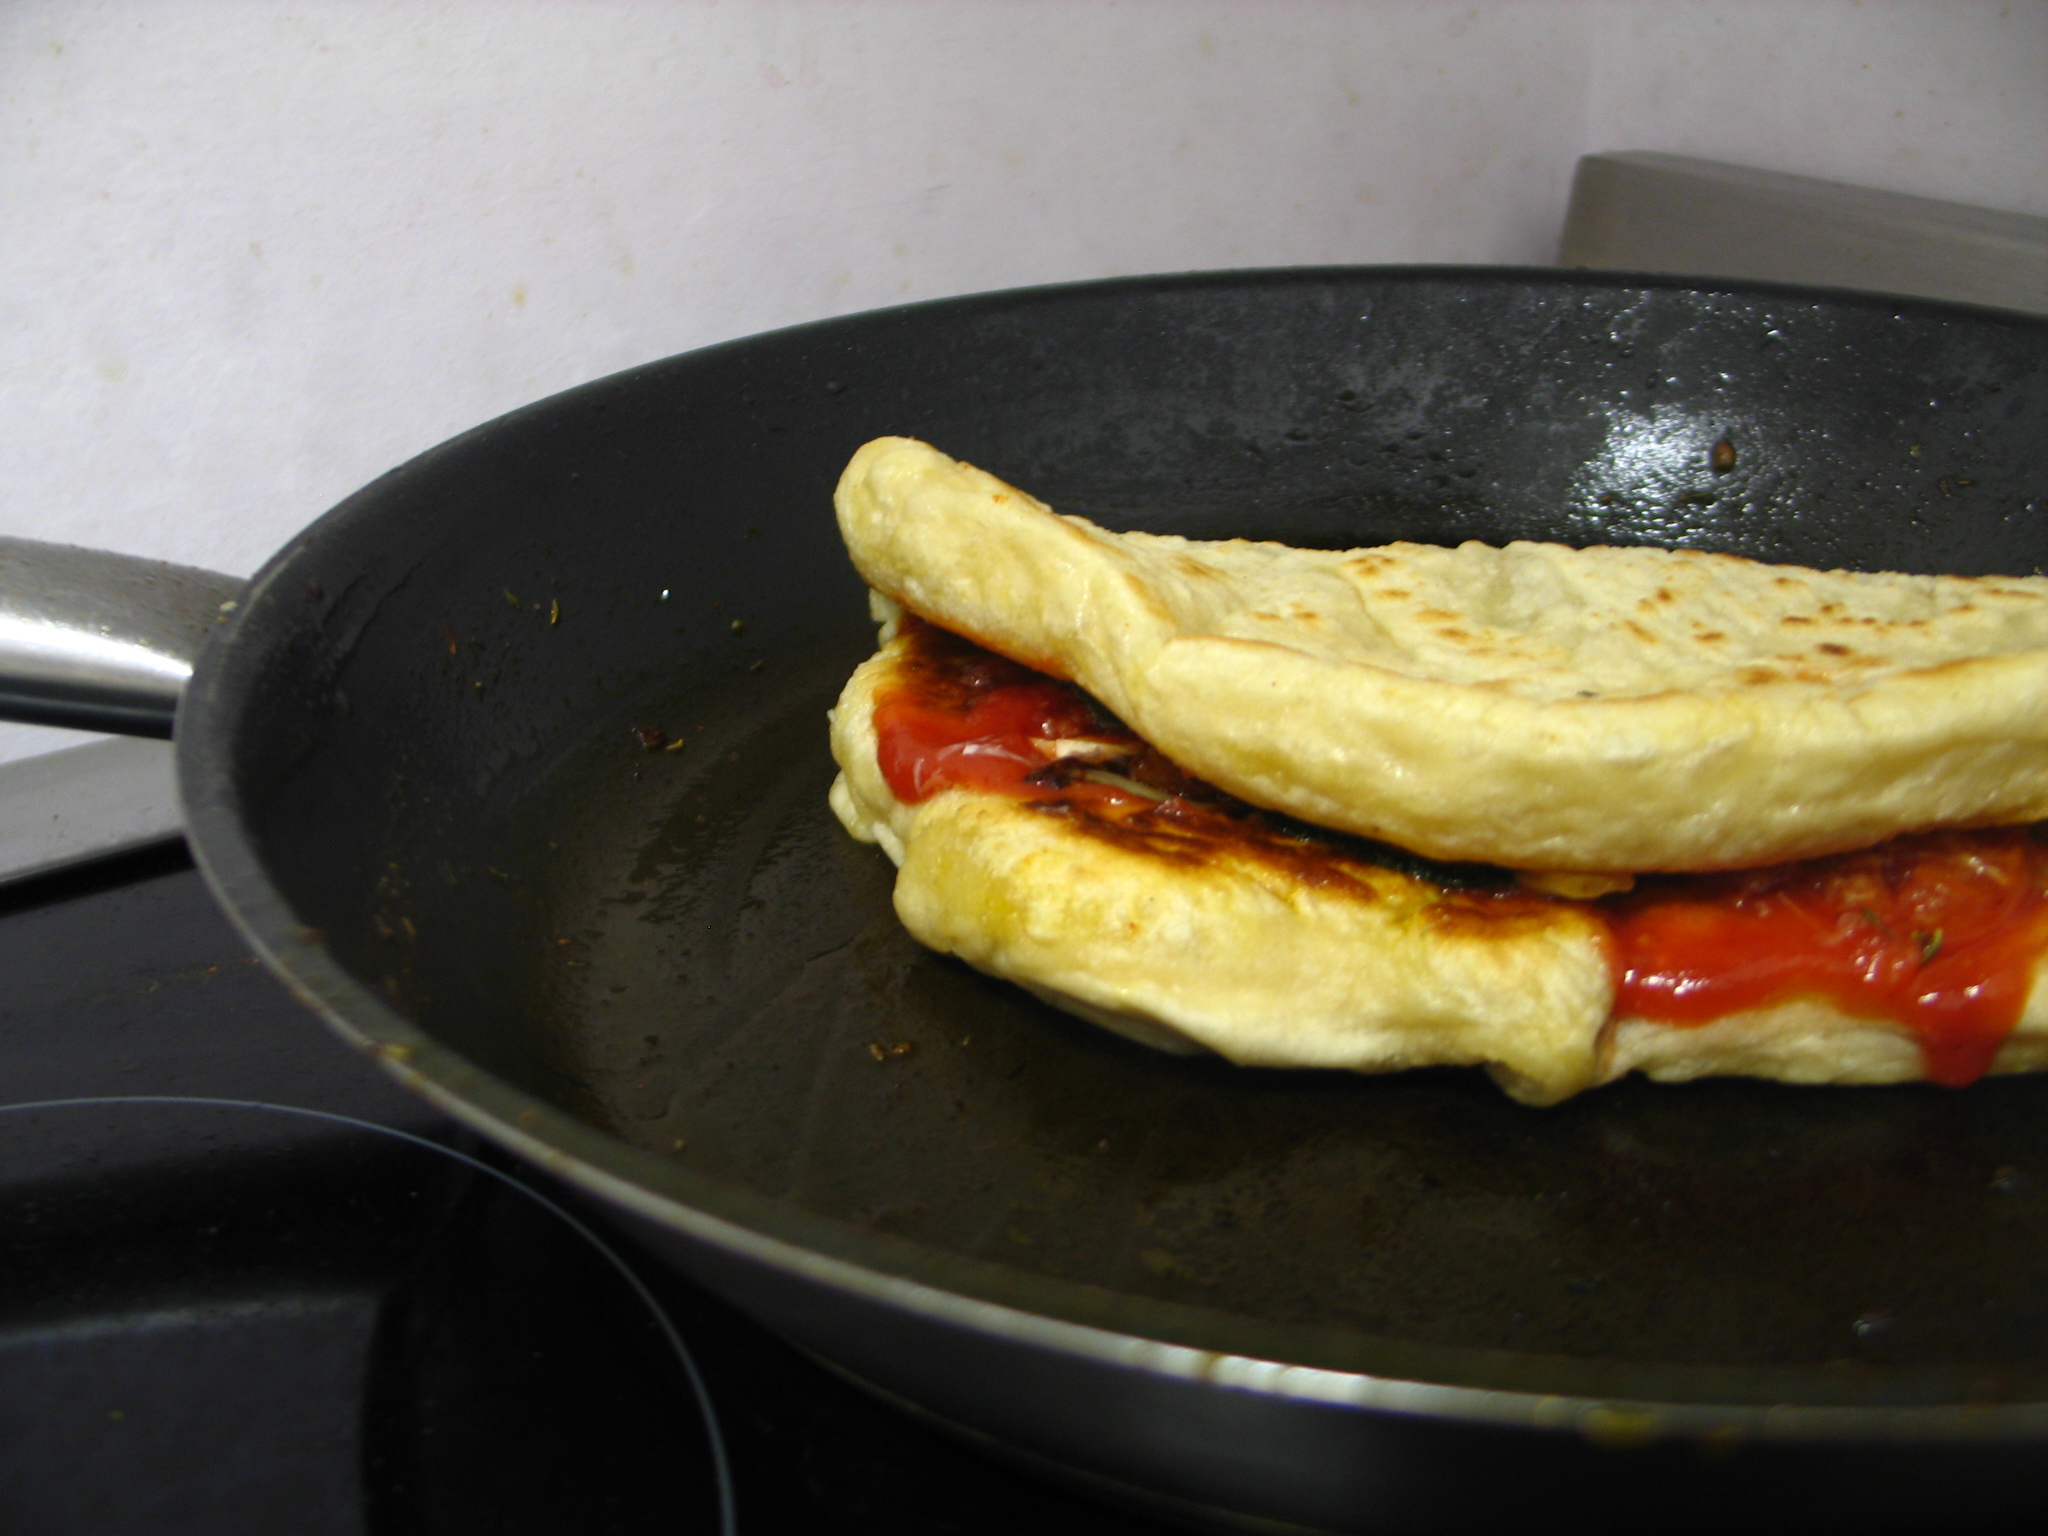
x,y
1249,799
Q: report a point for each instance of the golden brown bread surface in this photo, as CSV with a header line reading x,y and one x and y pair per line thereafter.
x,y
1188,941
1533,706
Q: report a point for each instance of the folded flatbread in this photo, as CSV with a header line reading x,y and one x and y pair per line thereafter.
x,y
1536,707
1560,720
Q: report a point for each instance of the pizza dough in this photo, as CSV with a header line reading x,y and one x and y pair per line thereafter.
x,y
1533,706
1192,941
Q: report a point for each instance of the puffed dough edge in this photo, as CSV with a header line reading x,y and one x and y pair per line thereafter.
x,y
1268,672
1234,956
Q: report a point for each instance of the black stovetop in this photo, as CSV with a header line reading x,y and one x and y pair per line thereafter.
x,y
248,1285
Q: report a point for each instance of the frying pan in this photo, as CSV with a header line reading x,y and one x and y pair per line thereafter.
x,y
414,768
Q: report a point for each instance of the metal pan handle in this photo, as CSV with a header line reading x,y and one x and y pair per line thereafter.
x,y
100,641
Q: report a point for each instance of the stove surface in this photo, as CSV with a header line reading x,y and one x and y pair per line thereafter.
x,y
249,1285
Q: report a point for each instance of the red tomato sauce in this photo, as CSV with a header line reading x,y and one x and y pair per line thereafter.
x,y
1939,932
968,718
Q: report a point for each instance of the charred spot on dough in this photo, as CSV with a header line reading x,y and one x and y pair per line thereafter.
x,y
1192,836
1797,618
1096,821
1828,647
951,667
1508,914
1222,833
1711,637
1757,675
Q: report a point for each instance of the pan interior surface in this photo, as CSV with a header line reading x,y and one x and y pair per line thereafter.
x,y
528,739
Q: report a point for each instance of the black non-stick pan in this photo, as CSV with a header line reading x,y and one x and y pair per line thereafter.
x,y
417,767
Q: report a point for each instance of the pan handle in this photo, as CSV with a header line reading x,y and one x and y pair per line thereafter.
x,y
99,641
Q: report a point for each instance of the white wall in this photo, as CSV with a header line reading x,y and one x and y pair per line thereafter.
x,y
252,254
